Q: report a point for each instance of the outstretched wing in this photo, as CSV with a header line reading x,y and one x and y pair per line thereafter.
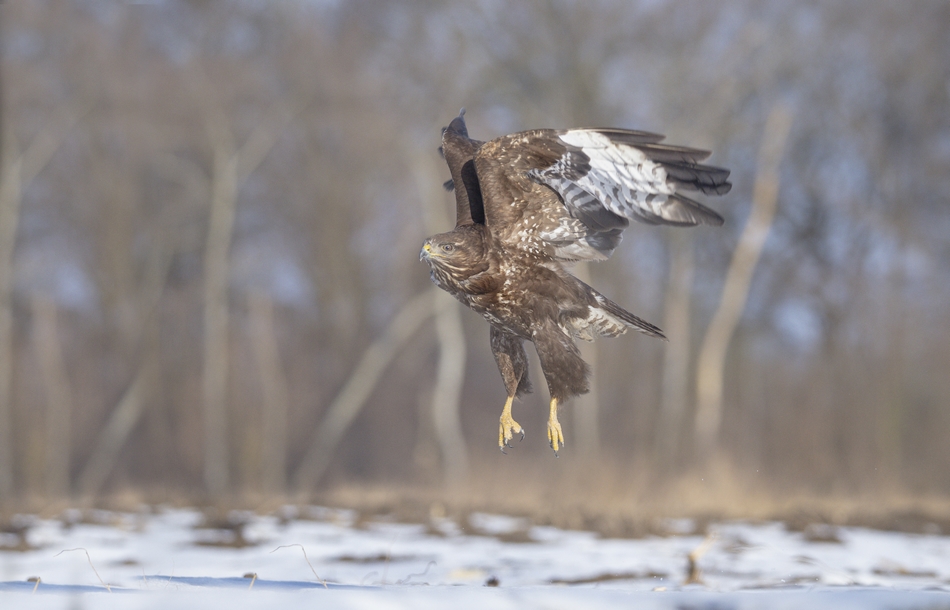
x,y
570,193
459,152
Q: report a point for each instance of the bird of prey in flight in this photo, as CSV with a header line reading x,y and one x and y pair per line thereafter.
x,y
530,204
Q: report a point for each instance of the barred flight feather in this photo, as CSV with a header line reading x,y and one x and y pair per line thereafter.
x,y
631,176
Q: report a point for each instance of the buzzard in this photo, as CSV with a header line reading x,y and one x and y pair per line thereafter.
x,y
530,204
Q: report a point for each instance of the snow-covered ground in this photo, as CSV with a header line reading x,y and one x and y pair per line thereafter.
x,y
164,559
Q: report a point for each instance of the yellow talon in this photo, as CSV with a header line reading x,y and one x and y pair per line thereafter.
x,y
555,435
508,426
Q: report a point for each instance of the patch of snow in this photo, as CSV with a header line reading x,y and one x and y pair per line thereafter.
x,y
495,525
289,556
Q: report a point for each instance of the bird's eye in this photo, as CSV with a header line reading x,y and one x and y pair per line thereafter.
x,y
448,247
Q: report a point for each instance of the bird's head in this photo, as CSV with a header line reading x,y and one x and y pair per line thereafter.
x,y
457,255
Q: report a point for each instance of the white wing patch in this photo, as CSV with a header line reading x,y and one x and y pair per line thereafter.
x,y
606,178
621,177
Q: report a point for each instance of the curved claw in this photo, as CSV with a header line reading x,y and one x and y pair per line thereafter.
x,y
522,434
507,427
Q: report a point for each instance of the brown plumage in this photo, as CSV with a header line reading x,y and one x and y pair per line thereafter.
x,y
530,203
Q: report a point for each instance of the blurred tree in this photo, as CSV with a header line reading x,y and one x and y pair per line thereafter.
x,y
712,355
306,123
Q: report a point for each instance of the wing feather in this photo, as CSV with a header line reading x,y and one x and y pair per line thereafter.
x,y
639,182
569,194
459,150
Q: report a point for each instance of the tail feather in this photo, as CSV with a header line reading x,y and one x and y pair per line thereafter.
x,y
605,318
628,318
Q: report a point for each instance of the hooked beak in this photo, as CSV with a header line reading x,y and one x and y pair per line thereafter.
x,y
426,251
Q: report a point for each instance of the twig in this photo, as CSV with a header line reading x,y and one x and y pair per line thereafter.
x,y
840,573
405,581
108,588
307,559
693,575
363,582
389,556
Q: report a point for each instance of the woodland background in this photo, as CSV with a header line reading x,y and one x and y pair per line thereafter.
x,y
211,212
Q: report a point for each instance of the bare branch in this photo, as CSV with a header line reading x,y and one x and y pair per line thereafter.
x,y
59,403
255,149
275,403
675,386
357,389
18,171
112,437
712,354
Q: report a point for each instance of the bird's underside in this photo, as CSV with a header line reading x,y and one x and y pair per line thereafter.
x,y
530,203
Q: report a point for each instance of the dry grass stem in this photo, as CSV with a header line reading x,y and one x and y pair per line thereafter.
x,y
307,559
89,559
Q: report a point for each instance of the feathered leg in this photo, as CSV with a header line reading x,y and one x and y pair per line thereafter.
x,y
513,366
565,372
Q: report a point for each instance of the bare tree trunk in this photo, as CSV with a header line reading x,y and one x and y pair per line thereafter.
x,y
9,212
675,386
712,354
891,415
127,413
275,404
59,399
132,405
216,317
425,454
9,215
18,171
587,406
231,167
357,389
446,397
